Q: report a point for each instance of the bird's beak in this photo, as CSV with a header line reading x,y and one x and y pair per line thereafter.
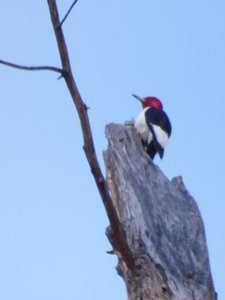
x,y
138,98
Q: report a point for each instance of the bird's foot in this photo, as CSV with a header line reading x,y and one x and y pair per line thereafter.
x,y
129,123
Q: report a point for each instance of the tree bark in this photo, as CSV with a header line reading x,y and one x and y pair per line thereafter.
x,y
162,224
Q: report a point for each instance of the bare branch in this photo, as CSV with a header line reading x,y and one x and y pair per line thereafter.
x,y
115,232
67,14
39,68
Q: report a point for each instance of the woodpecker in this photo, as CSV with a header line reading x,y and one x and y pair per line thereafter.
x,y
153,125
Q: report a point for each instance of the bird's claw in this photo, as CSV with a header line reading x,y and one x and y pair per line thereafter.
x,y
130,123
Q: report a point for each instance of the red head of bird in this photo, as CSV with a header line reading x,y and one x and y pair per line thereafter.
x,y
150,102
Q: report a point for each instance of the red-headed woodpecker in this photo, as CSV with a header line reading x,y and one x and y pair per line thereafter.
x,y
153,125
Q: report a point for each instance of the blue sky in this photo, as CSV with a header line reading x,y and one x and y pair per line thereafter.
x,y
52,221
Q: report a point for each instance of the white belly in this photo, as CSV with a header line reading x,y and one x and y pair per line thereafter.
x,y
142,128
145,133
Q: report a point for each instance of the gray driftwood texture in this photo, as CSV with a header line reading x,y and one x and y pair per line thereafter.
x,y
162,222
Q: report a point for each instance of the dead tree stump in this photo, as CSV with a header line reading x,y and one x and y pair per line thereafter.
x,y
162,224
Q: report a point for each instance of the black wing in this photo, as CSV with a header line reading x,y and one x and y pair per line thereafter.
x,y
154,116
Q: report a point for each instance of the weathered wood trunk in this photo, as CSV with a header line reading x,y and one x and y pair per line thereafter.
x,y
162,224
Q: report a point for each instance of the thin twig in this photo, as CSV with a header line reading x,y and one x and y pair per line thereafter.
x,y
67,14
117,234
39,68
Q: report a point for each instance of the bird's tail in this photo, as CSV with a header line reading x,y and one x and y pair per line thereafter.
x,y
150,149
153,148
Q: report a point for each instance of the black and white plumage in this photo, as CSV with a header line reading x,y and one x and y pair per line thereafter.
x,y
153,125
